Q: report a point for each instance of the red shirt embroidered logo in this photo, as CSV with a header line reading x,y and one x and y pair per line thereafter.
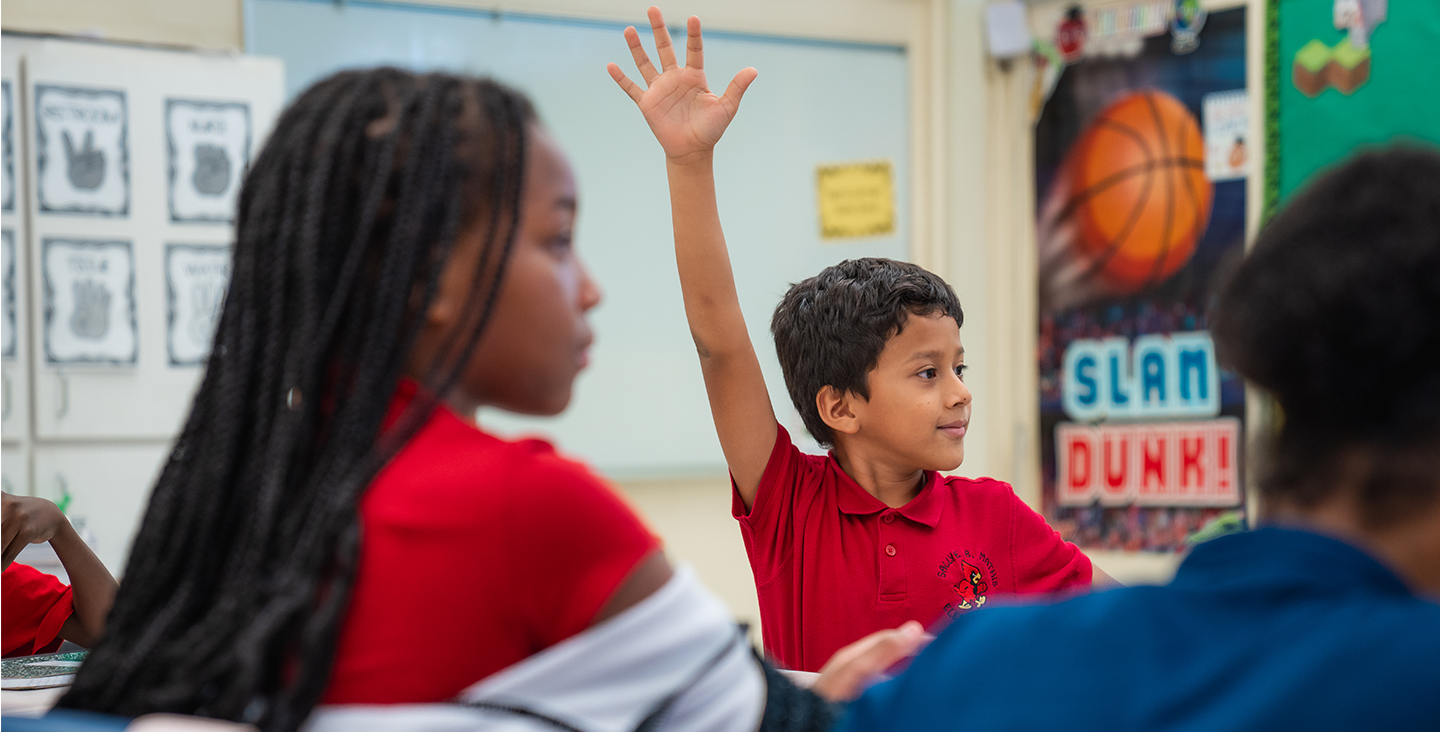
x,y
972,583
972,586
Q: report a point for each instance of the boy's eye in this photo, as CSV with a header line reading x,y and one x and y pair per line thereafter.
x,y
960,371
928,374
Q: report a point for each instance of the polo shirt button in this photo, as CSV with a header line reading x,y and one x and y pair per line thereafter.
x,y
890,550
888,518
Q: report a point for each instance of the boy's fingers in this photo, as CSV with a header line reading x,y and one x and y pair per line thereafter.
x,y
637,52
737,88
625,83
694,46
664,47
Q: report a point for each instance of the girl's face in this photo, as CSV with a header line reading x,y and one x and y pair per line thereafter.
x,y
538,336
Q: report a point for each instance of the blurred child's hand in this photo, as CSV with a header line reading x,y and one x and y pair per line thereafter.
x,y
855,667
686,117
28,520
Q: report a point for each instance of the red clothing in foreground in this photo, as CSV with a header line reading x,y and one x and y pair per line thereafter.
x,y
475,553
35,605
833,563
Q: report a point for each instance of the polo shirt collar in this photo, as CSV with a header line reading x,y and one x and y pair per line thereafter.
x,y
925,508
1271,558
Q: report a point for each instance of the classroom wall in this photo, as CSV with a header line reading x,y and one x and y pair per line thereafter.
x,y
970,211
211,24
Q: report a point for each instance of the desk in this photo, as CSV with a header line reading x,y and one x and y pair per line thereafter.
x,y
29,702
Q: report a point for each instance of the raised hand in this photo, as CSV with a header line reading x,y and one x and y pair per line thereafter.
x,y
686,117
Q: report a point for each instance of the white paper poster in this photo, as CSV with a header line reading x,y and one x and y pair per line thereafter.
x,y
7,195
209,146
1226,121
89,302
83,155
9,294
196,276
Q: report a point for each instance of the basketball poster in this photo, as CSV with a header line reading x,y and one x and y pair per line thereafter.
x,y
1141,432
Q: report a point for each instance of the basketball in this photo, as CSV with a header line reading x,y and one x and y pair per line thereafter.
x,y
1139,190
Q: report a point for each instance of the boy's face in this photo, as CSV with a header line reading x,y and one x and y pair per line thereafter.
x,y
919,407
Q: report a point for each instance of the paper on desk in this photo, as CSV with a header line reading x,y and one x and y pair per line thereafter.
x,y
43,671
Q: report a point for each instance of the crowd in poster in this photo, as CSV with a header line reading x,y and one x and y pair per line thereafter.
x,y
83,155
209,151
89,302
1141,430
196,277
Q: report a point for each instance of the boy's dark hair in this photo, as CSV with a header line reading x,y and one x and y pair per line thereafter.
x,y
245,560
829,330
1336,313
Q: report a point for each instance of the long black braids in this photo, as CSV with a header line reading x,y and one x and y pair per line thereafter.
x,y
243,566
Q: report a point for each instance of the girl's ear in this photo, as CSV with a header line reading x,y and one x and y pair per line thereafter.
x,y
837,409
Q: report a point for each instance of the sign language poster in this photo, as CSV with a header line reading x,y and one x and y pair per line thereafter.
x,y
83,155
1141,432
89,302
196,276
209,148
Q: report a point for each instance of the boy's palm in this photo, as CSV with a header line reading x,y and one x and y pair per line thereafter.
x,y
685,116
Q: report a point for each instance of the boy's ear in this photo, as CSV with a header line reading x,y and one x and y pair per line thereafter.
x,y
837,409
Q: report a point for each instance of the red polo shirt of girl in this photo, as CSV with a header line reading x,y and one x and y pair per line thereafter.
x,y
833,563
475,553
36,605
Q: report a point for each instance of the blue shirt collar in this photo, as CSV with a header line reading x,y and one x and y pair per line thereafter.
x,y
1272,559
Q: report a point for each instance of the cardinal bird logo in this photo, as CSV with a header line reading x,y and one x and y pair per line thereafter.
x,y
972,586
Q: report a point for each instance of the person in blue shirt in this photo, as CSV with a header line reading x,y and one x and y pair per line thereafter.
x,y
1323,618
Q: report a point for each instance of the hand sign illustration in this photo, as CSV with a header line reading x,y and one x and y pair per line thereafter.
x,y
212,170
86,167
206,299
92,309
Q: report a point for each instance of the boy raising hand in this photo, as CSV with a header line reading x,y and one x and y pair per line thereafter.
x,y
871,535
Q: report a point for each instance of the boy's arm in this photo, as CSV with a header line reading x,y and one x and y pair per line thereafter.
x,y
688,119
92,590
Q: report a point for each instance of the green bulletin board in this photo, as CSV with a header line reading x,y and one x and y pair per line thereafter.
x,y
1388,92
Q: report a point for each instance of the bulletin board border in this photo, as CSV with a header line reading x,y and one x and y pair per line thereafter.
x,y
1272,110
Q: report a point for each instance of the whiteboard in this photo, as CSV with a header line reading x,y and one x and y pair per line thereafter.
x,y
640,410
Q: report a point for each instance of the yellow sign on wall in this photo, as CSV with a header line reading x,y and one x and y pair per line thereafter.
x,y
856,200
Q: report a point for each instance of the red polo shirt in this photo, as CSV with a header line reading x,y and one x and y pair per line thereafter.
x,y
833,563
475,553
36,605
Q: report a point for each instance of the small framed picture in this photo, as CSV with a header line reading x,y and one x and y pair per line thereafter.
x,y
7,277
89,302
7,196
209,150
196,278
82,151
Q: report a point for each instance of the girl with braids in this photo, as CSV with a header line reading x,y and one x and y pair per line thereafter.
x,y
333,527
